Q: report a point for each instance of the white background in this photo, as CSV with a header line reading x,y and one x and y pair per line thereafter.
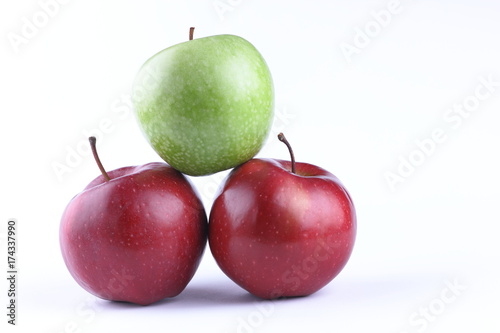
x,y
357,114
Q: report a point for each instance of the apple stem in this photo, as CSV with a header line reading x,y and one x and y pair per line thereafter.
x,y
282,138
191,33
92,140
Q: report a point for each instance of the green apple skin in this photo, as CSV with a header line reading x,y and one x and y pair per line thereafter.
x,y
205,105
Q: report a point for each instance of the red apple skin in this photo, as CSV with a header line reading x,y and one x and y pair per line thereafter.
x,y
279,234
137,238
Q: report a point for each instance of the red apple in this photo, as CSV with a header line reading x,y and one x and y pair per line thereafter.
x,y
135,234
282,228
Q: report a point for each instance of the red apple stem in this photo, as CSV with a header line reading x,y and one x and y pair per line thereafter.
x,y
282,138
191,33
92,140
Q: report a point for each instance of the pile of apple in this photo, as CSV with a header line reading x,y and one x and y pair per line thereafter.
x,y
276,228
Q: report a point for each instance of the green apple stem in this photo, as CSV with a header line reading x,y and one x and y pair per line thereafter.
x,y
191,33
92,140
282,138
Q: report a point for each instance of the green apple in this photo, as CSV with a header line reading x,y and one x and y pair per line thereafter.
x,y
205,105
